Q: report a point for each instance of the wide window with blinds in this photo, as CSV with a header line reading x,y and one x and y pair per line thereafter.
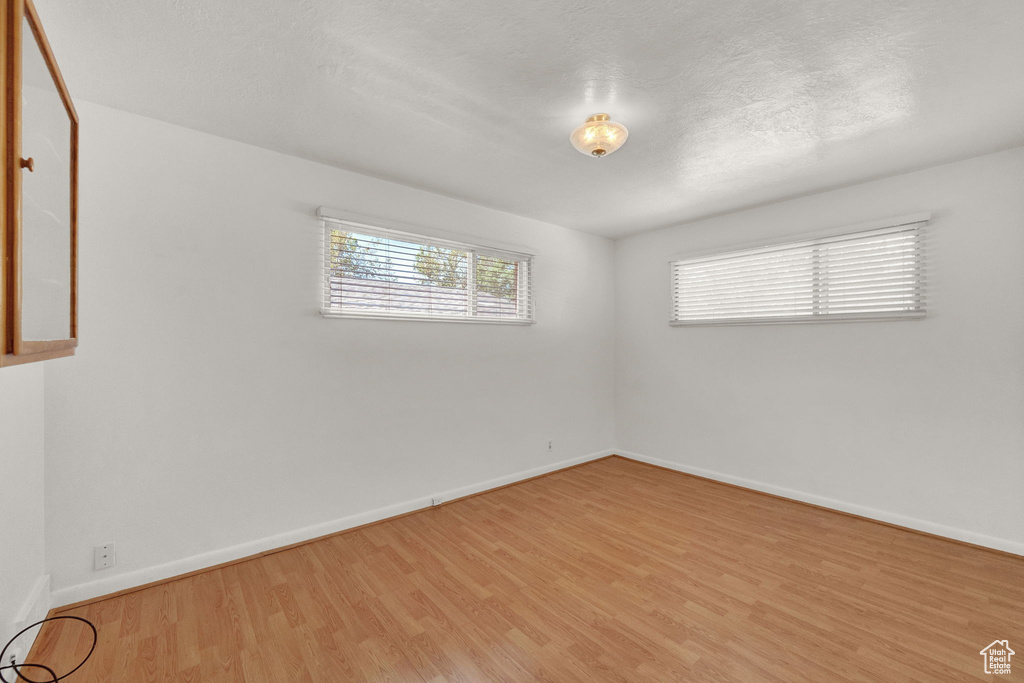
x,y
376,272
864,274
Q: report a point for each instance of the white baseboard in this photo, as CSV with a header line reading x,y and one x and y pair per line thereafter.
x,y
843,506
131,579
118,582
34,609
36,605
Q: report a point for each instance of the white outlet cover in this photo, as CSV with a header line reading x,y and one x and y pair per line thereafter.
x,y
104,556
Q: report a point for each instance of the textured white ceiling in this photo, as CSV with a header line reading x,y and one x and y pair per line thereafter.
x,y
729,103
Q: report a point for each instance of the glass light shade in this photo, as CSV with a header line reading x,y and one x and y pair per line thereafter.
x,y
599,136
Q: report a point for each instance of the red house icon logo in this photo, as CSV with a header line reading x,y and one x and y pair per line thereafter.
x,y
997,657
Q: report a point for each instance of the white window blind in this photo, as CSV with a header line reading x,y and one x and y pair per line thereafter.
x,y
871,274
377,272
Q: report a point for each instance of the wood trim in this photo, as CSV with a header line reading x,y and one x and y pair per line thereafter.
x,y
14,149
827,509
51,61
17,350
58,78
22,358
64,608
4,312
38,347
12,38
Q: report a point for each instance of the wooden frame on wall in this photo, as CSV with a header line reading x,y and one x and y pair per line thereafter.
x,y
15,348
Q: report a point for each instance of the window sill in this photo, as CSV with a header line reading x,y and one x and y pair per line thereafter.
x,y
329,313
815,319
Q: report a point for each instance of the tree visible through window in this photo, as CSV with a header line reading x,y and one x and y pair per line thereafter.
x,y
398,275
442,267
351,258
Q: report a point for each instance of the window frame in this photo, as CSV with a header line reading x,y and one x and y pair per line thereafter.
x,y
922,218
332,219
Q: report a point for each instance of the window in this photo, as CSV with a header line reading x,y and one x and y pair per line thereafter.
x,y
383,273
867,274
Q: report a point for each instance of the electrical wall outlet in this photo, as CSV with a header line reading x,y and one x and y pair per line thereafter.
x,y
435,501
15,656
551,446
103,556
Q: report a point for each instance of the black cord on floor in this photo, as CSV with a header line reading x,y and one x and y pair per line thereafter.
x,y
53,675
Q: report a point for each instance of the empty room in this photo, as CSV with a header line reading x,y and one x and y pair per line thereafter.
x,y
535,341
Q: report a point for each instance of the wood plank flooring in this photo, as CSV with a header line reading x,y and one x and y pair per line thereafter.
x,y
612,571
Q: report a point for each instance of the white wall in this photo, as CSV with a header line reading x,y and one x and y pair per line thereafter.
x,y
24,591
211,413
920,423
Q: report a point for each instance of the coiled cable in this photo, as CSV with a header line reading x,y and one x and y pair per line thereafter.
x,y
54,678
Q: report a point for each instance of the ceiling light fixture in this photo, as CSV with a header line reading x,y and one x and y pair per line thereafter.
x,y
599,136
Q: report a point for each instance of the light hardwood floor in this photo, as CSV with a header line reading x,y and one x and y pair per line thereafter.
x,y
611,571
